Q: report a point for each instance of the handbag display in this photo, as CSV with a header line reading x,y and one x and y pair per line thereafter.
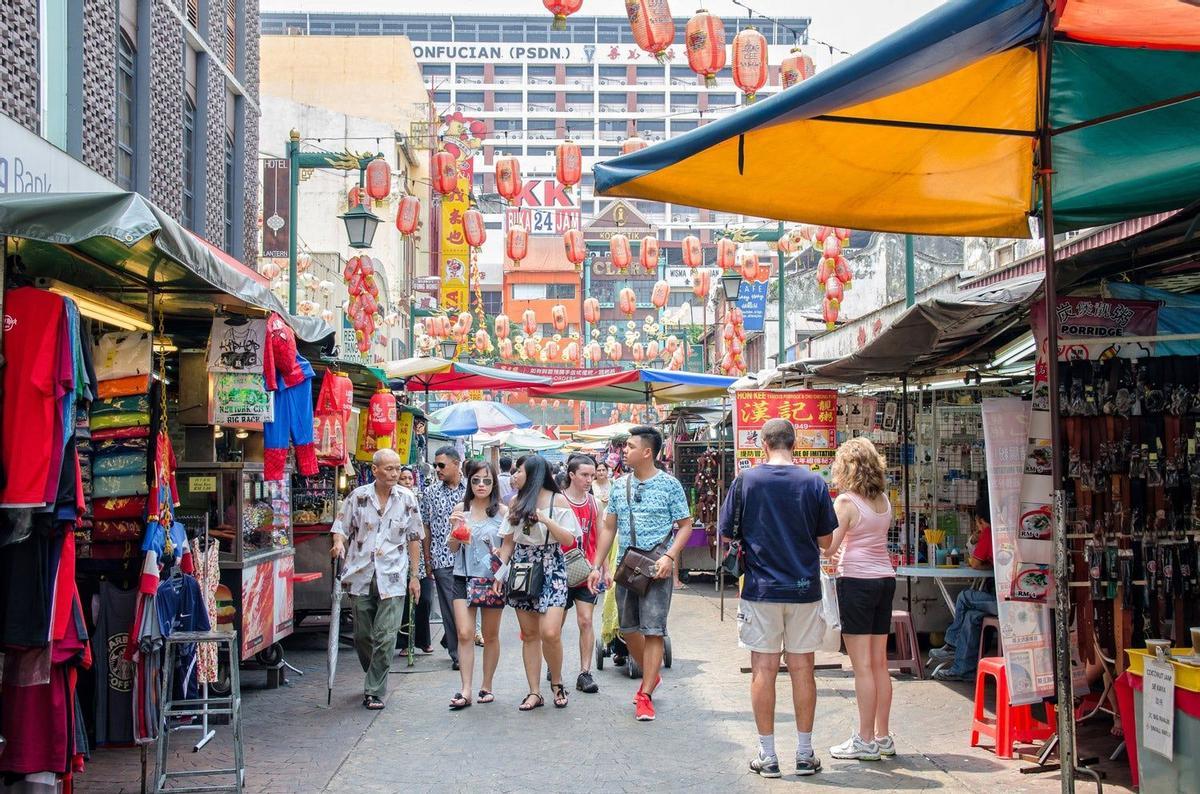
x,y
733,563
636,571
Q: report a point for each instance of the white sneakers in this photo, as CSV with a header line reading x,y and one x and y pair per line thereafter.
x,y
855,749
887,745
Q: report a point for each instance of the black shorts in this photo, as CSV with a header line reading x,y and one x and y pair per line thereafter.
x,y
581,593
865,605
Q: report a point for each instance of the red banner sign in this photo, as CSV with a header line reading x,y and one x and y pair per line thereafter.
x,y
813,413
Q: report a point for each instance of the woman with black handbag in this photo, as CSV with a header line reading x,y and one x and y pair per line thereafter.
x,y
474,539
539,523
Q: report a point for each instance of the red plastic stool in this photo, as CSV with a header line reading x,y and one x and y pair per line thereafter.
x,y
1011,723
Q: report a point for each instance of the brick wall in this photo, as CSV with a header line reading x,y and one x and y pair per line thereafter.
x,y
19,61
166,110
100,86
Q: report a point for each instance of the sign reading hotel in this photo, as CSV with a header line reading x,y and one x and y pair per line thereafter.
x,y
545,208
812,412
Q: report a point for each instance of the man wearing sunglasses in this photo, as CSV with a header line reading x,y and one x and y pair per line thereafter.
x,y
438,501
656,503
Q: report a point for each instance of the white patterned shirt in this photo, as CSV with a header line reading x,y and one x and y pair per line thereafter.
x,y
377,539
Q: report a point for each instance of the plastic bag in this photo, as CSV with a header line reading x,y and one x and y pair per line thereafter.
x,y
122,354
832,640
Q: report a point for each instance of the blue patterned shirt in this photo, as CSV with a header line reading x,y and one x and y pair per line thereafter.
x,y
657,504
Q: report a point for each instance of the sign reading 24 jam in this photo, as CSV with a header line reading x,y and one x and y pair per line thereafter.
x,y
812,412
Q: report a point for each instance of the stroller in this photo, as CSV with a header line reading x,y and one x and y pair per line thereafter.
x,y
609,645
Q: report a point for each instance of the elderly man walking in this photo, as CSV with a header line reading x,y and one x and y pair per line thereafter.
x,y
378,531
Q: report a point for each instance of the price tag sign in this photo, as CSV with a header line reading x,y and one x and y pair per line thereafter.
x,y
1158,707
202,484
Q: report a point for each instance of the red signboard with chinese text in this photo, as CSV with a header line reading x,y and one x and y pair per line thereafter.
x,y
813,413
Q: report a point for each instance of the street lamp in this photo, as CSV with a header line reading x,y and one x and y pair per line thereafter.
x,y
731,285
360,226
449,348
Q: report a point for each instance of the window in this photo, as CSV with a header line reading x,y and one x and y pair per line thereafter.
x,y
469,98
560,291
509,74
612,75
189,162
528,292
229,176
683,101
608,34
506,125
682,125
540,125
579,71
439,31
542,74
473,73
489,32
539,151
441,99
579,128
231,34
126,111
579,100
493,302
508,97
435,70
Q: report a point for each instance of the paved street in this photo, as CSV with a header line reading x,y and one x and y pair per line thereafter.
x,y
701,741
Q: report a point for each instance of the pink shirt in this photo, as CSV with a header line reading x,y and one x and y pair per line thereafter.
x,y
864,549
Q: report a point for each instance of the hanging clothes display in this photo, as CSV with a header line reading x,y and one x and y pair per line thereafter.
x,y
331,414
237,349
208,574
114,673
288,374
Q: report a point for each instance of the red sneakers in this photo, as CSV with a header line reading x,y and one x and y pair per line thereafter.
x,y
657,684
645,707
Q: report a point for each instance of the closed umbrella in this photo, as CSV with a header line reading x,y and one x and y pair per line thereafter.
x,y
474,416
335,628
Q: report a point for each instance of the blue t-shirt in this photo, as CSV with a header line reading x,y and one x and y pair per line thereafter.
x,y
657,503
785,509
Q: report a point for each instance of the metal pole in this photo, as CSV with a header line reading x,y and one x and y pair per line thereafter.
x,y
293,152
1062,596
779,358
909,530
910,272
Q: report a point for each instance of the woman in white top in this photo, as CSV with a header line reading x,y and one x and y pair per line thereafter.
x,y
539,522
866,587
602,485
483,516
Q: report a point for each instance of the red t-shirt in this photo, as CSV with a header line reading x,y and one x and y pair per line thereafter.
x,y
588,516
37,374
983,549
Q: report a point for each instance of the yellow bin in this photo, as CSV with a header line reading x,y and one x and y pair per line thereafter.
x,y
1187,676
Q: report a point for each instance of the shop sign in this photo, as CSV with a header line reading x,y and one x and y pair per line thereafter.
x,y
752,300
606,53
455,254
31,164
1102,319
812,412
277,207
558,374
404,436
1158,708
545,208
198,483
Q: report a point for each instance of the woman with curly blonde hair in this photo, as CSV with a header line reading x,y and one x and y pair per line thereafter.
x,y
866,586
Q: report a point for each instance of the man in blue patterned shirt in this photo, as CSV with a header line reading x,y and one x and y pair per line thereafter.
x,y
657,504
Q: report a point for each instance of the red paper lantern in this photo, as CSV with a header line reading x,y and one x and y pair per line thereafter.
x,y
445,173
736,317
529,322
382,412
824,270
833,289
633,144
693,253
379,179
832,246
561,10
726,254
627,301
591,310
354,197
748,265
764,270
661,294
618,247
701,284
571,351
704,38
568,163
593,352
795,68
473,228
831,309
508,178
516,244
651,350
530,347
550,351
483,342
616,352
558,317
787,242
749,61
574,247
652,24
637,352
502,325
408,214
648,254
841,269
506,349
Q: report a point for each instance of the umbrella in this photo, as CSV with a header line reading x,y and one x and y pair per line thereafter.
x,y
335,628
605,433
522,439
430,373
639,386
473,416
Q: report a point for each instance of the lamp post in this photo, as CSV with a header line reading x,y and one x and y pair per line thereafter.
x,y
361,224
731,286
449,349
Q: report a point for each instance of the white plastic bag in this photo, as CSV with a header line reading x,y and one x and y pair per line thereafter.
x,y
122,354
832,641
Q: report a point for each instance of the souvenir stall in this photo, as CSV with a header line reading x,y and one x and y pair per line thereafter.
x,y
103,308
699,452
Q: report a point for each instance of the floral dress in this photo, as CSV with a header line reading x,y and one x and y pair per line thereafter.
x,y
535,544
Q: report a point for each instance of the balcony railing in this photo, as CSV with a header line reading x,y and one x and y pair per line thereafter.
x,y
653,108
507,107
542,107
610,108
580,82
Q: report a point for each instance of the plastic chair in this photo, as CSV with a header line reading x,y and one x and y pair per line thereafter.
x,y
907,658
1012,723
992,623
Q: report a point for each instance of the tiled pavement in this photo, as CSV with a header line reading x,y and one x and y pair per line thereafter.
x,y
700,742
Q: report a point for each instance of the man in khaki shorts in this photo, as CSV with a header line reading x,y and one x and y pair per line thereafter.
x,y
784,516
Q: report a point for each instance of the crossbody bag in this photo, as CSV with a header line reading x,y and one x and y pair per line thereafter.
x,y
525,579
734,561
578,567
636,571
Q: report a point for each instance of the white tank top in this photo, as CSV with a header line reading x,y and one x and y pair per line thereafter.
x,y
864,549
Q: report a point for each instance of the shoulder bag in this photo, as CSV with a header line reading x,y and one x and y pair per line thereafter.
x,y
578,567
479,588
525,579
734,562
636,570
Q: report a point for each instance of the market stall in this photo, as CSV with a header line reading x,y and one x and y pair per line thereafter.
x,y
699,452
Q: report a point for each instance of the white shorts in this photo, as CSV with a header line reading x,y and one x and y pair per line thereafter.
x,y
766,627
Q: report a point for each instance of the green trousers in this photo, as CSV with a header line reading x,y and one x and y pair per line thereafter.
x,y
376,622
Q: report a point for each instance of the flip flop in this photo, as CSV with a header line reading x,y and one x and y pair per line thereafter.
x,y
485,696
458,702
560,696
373,703
528,705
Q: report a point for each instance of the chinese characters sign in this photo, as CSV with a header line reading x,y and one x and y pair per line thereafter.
x,y
455,257
812,413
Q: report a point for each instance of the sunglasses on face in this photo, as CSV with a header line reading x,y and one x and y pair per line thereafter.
x,y
477,481
440,466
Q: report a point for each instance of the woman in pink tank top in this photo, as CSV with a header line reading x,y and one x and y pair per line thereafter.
x,y
866,586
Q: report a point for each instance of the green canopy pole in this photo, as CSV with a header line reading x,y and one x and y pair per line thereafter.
x,y
293,153
910,272
780,357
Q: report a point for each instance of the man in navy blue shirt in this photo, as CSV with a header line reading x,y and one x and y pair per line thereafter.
x,y
784,517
